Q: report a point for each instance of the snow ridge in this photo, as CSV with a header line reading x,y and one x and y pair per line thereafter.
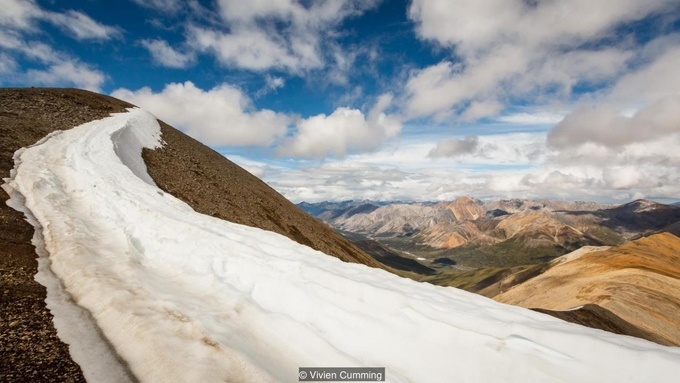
x,y
184,297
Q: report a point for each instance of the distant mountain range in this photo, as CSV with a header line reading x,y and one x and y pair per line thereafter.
x,y
505,233
616,268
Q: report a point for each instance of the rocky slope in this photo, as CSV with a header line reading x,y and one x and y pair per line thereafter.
x,y
31,350
638,282
213,185
29,347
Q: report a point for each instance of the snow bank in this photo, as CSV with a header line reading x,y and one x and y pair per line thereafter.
x,y
184,297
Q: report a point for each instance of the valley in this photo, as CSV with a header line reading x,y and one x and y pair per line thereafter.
x,y
468,234
610,267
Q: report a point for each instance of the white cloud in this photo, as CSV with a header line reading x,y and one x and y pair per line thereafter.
x,y
59,68
514,165
71,72
480,109
23,14
526,23
536,118
274,82
81,26
455,147
345,130
271,83
617,140
68,73
310,15
520,49
607,126
568,69
257,49
656,80
623,177
340,181
161,5
7,64
444,88
234,10
289,35
490,150
166,55
19,22
19,14
220,116
41,52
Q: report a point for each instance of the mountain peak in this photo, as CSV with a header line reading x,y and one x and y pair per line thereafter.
x,y
466,208
642,205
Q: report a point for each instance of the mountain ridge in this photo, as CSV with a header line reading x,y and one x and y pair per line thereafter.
x,y
31,346
638,281
476,233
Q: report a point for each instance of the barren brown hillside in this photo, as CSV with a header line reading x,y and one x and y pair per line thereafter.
x,y
638,281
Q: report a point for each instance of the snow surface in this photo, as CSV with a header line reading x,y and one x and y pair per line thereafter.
x,y
183,297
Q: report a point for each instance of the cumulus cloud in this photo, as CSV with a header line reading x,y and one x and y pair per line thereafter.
x,y
622,177
58,68
220,116
531,23
616,139
271,83
287,35
274,82
455,147
342,180
166,55
444,89
257,49
504,166
605,125
491,150
23,15
161,5
19,14
657,80
626,138
310,14
520,48
69,72
7,64
20,22
480,109
345,130
536,118
81,26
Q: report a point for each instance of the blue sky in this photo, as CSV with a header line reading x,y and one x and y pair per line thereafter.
x,y
391,100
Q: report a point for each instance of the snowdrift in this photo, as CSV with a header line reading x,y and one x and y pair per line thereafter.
x,y
142,287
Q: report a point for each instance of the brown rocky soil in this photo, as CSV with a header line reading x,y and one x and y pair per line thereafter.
x,y
594,316
213,185
638,282
30,350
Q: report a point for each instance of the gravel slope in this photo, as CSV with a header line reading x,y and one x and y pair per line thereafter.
x,y
30,350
